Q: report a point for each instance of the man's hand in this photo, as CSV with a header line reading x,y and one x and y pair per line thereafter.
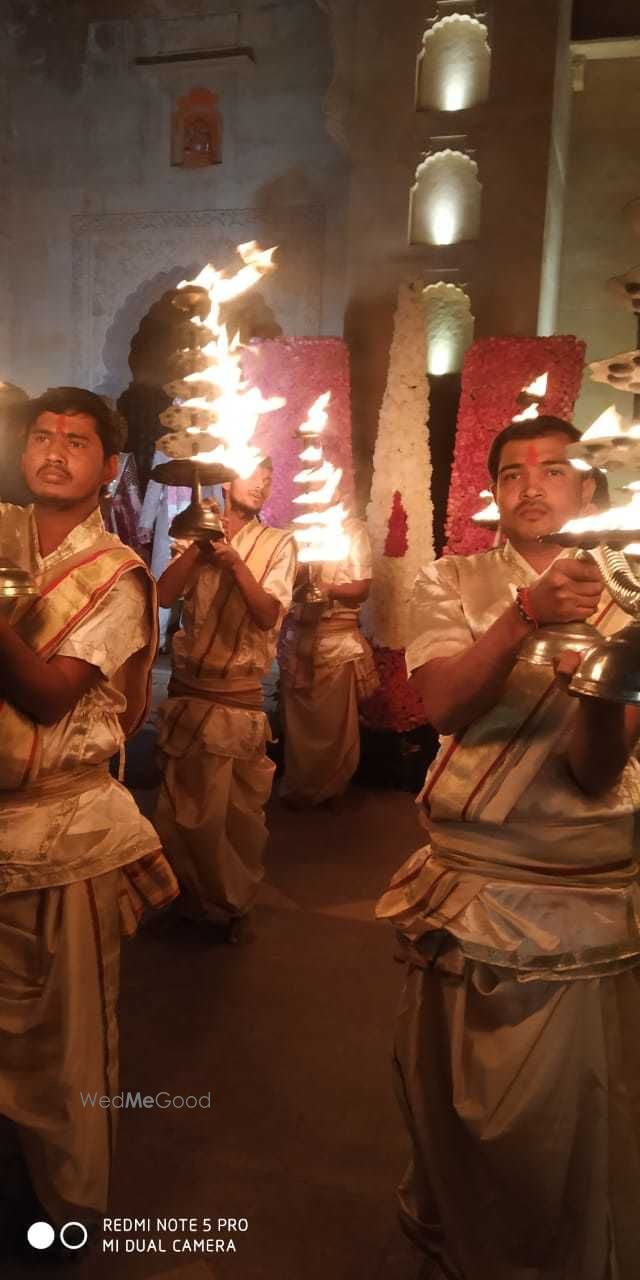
x,y
223,555
568,591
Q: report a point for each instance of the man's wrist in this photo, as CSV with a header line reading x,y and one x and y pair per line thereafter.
x,y
525,608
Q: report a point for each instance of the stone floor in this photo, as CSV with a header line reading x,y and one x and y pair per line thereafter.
x,y
291,1035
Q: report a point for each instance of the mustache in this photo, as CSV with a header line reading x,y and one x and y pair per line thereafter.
x,y
60,471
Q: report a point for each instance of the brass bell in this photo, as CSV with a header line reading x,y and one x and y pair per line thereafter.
x,y
15,582
310,595
548,642
611,668
198,521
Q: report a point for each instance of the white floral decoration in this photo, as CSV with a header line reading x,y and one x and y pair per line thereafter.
x,y
401,463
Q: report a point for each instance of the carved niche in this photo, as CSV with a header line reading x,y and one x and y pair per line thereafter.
x,y
196,130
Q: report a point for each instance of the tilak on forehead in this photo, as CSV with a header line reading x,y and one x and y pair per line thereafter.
x,y
63,422
532,456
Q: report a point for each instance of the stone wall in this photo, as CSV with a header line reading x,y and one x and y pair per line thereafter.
x,y
604,176
96,221
511,139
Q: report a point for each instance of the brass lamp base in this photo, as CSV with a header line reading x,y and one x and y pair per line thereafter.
x,y
611,668
185,471
198,521
548,642
311,595
15,582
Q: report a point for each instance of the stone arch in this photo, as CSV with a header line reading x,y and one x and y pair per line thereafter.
x,y
445,200
449,327
454,65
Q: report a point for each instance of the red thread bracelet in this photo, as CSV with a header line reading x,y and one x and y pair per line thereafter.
x,y
523,605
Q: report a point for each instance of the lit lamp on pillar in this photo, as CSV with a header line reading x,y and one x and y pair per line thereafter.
x,y
319,531
215,412
610,669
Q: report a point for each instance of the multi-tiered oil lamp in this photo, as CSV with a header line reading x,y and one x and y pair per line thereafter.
x,y
319,531
215,412
610,668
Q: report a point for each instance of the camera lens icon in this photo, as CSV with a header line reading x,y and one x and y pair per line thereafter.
x,y
73,1235
41,1235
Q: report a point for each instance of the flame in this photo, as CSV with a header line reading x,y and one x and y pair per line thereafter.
x,y
224,408
530,412
312,454
538,387
613,520
320,533
488,514
606,427
316,419
321,496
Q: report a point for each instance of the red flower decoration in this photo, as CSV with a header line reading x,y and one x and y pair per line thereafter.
x,y
395,705
396,542
495,372
300,369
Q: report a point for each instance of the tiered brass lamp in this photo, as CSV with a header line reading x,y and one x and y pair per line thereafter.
x,y
610,668
214,412
197,521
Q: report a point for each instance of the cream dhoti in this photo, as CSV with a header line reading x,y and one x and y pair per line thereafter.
x,y
217,779
518,1037
320,703
327,669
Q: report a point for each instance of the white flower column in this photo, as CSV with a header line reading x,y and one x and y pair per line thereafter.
x,y
401,465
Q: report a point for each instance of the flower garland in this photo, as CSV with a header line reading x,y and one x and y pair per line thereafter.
x,y
494,373
399,515
395,705
401,478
